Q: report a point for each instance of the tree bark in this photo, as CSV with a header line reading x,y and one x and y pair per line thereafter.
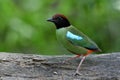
x,y
16,66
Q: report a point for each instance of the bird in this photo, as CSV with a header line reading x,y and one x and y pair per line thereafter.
x,y
73,39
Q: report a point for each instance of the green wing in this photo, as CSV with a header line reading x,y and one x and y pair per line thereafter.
x,y
77,38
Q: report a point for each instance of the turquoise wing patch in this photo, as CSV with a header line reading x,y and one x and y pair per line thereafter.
x,y
73,36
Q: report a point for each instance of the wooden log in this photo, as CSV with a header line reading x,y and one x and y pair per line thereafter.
x,y
17,66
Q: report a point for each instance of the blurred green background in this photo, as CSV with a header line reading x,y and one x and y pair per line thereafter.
x,y
24,29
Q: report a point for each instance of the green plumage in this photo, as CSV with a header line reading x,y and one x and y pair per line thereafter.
x,y
72,39
75,41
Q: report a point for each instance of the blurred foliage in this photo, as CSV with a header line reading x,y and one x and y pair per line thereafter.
x,y
23,25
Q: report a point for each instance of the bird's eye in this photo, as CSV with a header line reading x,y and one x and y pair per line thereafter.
x,y
59,18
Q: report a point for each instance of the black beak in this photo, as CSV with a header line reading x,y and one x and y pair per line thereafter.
x,y
50,20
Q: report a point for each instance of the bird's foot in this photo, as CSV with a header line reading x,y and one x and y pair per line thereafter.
x,y
77,73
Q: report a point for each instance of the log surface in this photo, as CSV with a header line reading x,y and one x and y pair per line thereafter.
x,y
16,66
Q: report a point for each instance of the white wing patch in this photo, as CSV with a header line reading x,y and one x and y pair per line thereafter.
x,y
73,36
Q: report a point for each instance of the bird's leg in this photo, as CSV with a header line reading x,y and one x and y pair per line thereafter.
x,y
77,56
77,71
84,56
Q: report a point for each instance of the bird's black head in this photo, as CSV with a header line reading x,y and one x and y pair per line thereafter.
x,y
60,21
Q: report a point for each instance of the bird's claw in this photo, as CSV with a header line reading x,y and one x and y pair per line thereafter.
x,y
77,73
